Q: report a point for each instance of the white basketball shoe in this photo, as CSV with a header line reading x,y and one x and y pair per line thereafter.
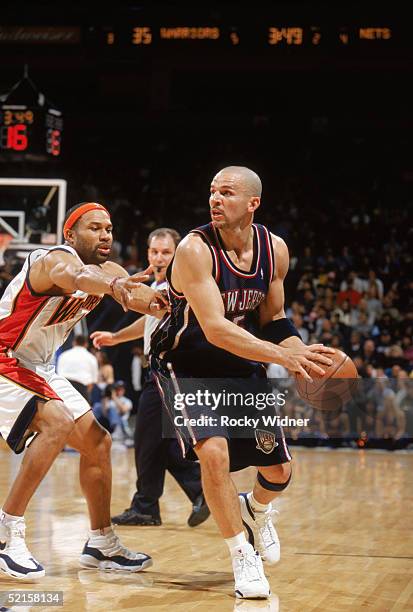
x,y
250,580
261,531
16,561
105,552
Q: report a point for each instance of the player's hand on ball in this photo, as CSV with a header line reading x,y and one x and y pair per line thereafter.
x,y
301,357
102,338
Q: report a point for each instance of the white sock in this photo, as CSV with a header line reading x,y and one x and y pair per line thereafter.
x,y
255,505
9,517
237,543
98,533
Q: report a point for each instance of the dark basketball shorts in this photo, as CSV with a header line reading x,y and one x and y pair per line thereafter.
x,y
250,444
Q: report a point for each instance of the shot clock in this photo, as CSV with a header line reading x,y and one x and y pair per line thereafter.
x,y
30,130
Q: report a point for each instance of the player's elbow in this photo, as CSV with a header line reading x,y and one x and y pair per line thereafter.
x,y
61,275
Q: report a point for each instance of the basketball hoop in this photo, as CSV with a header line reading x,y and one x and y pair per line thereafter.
x,y
5,240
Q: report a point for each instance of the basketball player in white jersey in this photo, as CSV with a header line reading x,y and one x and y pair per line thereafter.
x,y
41,411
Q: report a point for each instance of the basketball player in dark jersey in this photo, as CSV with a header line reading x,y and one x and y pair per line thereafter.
x,y
221,272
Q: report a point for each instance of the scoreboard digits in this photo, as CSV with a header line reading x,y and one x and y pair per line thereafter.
x,y
271,36
31,131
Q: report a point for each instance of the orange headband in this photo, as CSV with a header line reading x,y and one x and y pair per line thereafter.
x,y
76,214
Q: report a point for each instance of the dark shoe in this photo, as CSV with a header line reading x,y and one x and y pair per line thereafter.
x,y
132,517
200,511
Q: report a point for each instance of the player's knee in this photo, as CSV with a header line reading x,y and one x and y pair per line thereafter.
x,y
215,466
213,455
276,478
56,420
283,472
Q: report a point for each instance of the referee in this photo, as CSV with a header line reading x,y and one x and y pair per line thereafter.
x,y
154,454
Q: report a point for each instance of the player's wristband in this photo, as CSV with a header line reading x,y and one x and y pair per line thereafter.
x,y
112,284
279,330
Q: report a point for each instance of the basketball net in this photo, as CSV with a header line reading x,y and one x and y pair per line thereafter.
x,y
5,240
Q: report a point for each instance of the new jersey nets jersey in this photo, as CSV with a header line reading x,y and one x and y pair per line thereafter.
x,y
179,338
33,326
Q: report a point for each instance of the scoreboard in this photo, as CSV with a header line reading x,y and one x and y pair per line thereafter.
x,y
197,33
30,130
275,34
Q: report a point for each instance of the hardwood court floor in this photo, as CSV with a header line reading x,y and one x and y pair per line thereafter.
x,y
345,526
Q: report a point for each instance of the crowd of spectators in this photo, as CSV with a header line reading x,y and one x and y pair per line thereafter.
x,y
92,374
343,203
113,409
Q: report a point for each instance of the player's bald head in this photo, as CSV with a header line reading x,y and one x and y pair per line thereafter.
x,y
250,179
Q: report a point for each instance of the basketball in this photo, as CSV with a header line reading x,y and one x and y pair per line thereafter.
x,y
332,390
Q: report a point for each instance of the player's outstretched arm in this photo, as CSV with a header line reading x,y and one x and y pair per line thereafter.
x,y
272,310
192,275
60,272
60,269
131,332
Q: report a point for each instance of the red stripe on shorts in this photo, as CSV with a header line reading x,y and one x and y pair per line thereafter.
x,y
11,371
